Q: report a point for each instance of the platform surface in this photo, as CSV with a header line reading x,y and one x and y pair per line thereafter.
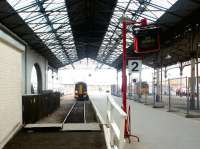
x,y
156,128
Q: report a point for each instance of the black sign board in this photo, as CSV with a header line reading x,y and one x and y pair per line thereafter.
x,y
146,40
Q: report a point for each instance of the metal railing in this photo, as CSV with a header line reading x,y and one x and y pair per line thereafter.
x,y
115,124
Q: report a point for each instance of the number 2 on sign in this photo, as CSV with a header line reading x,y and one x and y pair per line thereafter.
x,y
135,66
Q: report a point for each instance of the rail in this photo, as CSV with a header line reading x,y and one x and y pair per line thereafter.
x,y
72,107
115,124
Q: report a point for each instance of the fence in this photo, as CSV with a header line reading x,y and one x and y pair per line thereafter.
x,y
175,94
116,121
180,97
36,107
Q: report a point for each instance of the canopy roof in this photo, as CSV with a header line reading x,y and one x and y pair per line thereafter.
x,y
176,23
65,31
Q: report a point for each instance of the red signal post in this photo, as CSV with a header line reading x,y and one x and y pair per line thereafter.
x,y
124,77
124,80
125,23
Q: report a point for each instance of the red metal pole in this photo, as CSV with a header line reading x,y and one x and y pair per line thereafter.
x,y
124,79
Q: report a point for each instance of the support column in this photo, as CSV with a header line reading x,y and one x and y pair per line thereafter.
x,y
181,78
161,85
158,102
117,83
197,74
131,89
153,86
157,85
165,80
129,85
52,80
46,75
192,85
140,85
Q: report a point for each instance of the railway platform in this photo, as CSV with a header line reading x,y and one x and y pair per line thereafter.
x,y
176,104
156,128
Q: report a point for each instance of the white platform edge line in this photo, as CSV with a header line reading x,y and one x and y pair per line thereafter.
x,y
81,126
53,125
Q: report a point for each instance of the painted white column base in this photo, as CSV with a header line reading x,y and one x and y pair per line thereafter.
x,y
159,105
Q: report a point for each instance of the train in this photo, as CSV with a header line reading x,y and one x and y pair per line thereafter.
x,y
81,91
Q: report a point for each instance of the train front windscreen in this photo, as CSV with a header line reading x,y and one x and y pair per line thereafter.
x,y
81,91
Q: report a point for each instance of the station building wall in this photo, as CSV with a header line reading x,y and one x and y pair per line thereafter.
x,y
10,86
16,64
29,58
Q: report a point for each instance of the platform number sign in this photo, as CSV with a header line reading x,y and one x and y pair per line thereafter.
x,y
134,66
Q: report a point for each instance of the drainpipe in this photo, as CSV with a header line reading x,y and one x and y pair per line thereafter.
x,y
25,70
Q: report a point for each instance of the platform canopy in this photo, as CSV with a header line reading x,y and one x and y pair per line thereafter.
x,y
65,31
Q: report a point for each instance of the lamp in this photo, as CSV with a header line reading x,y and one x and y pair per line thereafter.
x,y
168,56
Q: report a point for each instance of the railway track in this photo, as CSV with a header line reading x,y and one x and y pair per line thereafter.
x,y
81,116
77,113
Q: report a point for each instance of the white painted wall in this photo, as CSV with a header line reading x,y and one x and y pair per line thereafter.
x,y
10,86
16,65
30,57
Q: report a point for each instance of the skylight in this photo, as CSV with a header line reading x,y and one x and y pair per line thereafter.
x,y
111,47
49,20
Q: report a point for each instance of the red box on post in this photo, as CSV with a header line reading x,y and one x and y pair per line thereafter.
x,y
146,40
